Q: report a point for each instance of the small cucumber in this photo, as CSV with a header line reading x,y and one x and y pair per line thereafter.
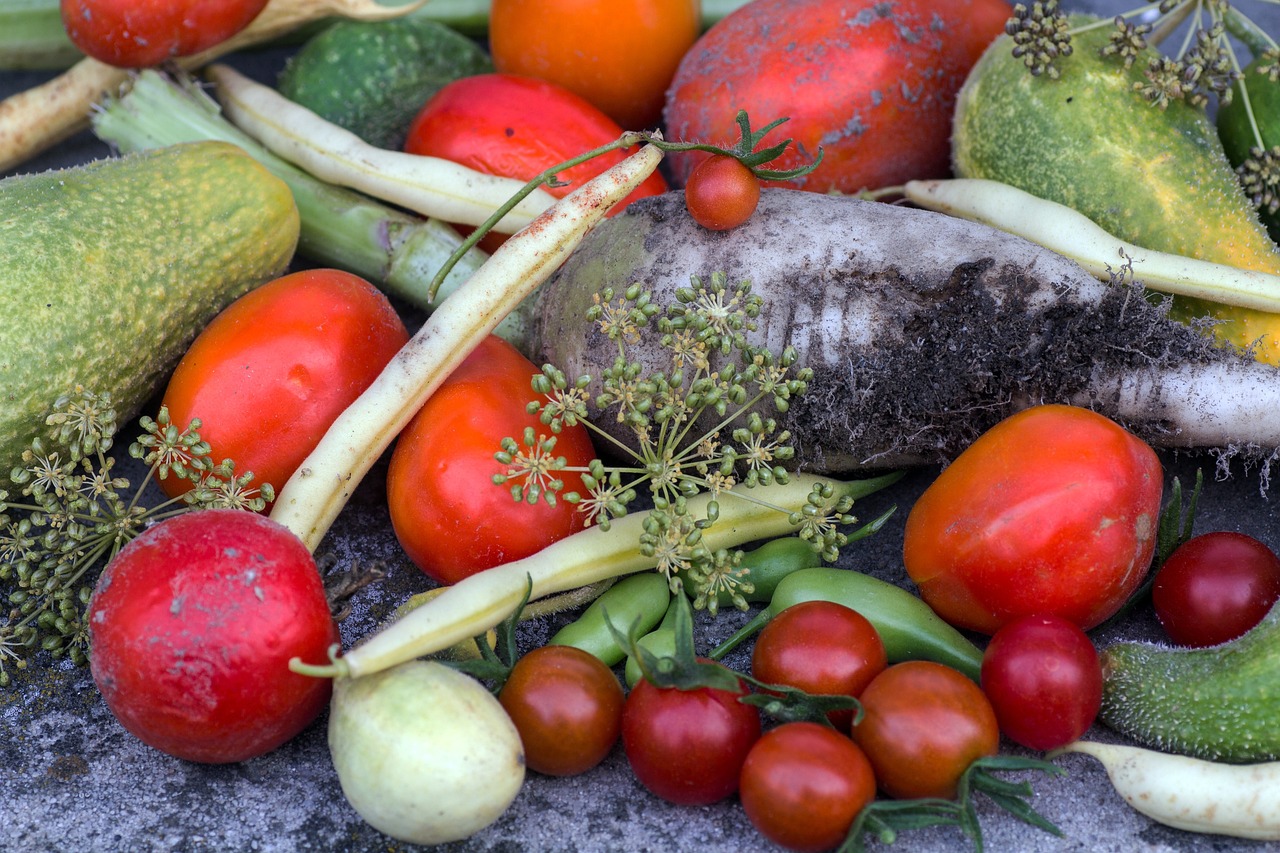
x,y
1219,703
373,77
111,269
1089,140
1236,131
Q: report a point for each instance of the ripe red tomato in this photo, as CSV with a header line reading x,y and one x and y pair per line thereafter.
x,y
141,33
1051,511
820,647
1044,681
619,55
516,127
1215,587
566,705
923,725
274,370
688,746
192,627
448,515
803,785
721,193
872,83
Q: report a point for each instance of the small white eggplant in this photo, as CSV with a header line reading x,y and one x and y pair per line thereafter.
x,y
1241,800
424,753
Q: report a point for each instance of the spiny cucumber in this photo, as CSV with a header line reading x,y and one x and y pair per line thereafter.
x,y
108,271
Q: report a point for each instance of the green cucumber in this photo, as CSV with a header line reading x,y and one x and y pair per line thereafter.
x,y
1089,140
1218,703
372,77
112,268
1236,131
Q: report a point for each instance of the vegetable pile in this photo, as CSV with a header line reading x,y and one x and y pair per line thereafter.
x,y
629,352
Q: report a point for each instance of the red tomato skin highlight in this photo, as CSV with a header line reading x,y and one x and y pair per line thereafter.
x,y
272,372
192,628
1052,511
516,127
142,33
449,516
1215,587
871,83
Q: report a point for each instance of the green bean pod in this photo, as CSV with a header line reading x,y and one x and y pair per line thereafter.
x,y
767,565
638,599
908,627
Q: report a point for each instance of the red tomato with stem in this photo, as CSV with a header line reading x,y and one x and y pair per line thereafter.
x,y
1215,587
1044,681
566,705
923,724
721,193
192,626
803,785
446,511
142,33
272,372
619,55
517,127
871,83
1052,511
820,647
688,746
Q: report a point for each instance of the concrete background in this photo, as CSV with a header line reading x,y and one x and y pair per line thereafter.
x,y
72,779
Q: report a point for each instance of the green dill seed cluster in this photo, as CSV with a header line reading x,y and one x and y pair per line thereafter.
x,y
68,514
701,426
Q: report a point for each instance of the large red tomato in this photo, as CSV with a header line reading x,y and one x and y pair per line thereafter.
x,y
274,370
1053,511
872,83
447,513
192,628
141,33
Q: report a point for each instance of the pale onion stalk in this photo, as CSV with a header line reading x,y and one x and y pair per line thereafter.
x,y
1192,794
431,186
44,115
317,492
1064,230
479,602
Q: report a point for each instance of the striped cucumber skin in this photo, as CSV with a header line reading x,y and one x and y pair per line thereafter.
x,y
1157,178
109,270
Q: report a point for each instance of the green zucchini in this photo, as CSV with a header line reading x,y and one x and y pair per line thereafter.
x,y
1090,140
112,268
373,77
1237,132
1218,703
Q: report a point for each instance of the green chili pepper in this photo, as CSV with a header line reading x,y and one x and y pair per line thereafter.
x,y
767,565
661,641
908,627
640,599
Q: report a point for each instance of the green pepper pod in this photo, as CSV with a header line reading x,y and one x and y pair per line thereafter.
x,y
767,565
661,641
639,599
908,627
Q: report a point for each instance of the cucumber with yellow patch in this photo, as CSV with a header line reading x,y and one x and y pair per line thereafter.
x,y
110,269
1090,139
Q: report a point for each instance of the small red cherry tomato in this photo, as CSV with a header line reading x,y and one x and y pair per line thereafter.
x,y
446,511
566,705
803,785
272,372
142,33
923,724
1215,587
721,193
192,627
1044,681
1051,511
688,746
820,647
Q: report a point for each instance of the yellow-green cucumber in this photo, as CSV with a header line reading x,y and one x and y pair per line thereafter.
x,y
109,270
1236,130
1219,703
1090,140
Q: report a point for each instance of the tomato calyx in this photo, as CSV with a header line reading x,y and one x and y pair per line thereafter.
x,y
885,818
744,151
